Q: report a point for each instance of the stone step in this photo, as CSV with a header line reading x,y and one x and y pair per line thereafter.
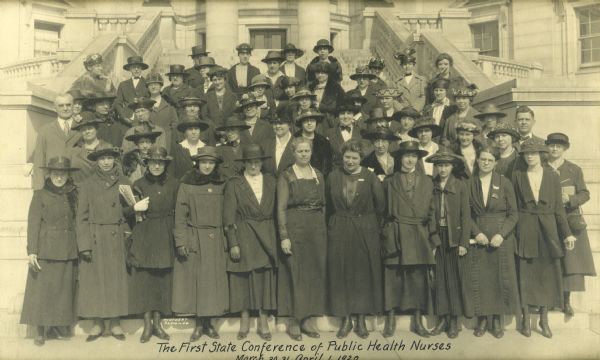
x,y
10,327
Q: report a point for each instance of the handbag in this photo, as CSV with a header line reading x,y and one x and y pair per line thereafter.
x,y
576,222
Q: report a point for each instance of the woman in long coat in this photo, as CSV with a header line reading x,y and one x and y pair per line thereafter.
x,y
409,239
301,220
579,262
453,220
102,216
250,230
151,252
52,250
356,203
200,285
188,147
541,227
494,214
380,161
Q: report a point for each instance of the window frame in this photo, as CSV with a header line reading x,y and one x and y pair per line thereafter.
x,y
496,43
578,16
265,31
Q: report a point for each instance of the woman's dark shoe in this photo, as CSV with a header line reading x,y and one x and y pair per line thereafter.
x,y
497,329
441,326
96,334
568,309
417,326
361,327
308,331
390,324
453,327
157,329
147,332
209,330
40,338
93,337
197,333
546,332
345,328
481,327
120,337
293,330
526,325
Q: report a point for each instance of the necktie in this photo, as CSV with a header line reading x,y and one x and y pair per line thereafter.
x,y
66,127
523,138
346,128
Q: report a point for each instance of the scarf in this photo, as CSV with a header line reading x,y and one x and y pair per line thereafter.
x,y
68,188
160,179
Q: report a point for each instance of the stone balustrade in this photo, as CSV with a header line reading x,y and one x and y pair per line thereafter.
x,y
120,23
33,68
504,69
417,22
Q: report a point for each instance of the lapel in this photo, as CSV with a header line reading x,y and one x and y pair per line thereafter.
x,y
545,196
495,189
287,156
233,74
249,74
248,190
58,130
525,186
163,104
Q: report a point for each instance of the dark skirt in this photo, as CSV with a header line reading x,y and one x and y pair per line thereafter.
x,y
408,288
494,287
150,290
578,263
253,290
540,279
50,294
452,277
301,284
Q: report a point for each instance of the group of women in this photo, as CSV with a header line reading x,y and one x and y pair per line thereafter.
x,y
415,226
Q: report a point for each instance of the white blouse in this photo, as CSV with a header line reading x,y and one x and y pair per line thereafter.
x,y
256,184
535,181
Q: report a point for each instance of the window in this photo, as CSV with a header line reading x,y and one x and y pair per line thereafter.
x,y
201,39
46,39
268,38
485,37
589,34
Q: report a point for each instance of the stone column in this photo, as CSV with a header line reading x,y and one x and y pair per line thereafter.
x,y
313,22
221,25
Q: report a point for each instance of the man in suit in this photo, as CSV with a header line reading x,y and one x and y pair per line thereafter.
x,y
412,85
240,75
525,119
259,130
289,67
345,130
221,101
132,88
279,147
54,139
323,48
195,78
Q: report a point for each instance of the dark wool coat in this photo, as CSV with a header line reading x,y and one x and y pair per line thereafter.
x,y
78,155
370,95
112,130
194,79
321,158
51,223
250,225
410,231
332,96
232,80
449,128
152,244
413,93
546,218
370,161
182,161
300,73
51,142
458,215
456,81
506,166
172,95
212,113
354,251
335,75
230,167
262,132
334,135
127,93
166,117
287,158
580,259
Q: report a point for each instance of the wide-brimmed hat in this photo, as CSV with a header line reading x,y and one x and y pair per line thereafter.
x,y
195,123
376,63
274,55
410,146
440,84
406,111
406,56
280,117
259,80
92,59
388,91
363,72
323,43
244,47
87,118
59,163
177,69
558,138
346,105
444,155
355,97
377,114
104,149
157,153
425,123
288,81
191,100
139,103
303,93
143,132
233,122
96,97
468,91
490,110
247,100
468,125
309,114
154,78
217,71
533,145
199,50
292,48
381,133
504,127
206,61
208,153
253,152
135,60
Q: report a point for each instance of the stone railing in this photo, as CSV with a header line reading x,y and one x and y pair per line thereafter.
x,y
418,22
504,69
120,23
36,67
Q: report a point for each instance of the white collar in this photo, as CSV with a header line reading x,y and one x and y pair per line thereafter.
x,y
186,145
296,169
285,139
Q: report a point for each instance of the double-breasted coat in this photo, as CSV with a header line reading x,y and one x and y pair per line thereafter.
x,y
127,93
414,93
51,236
102,216
355,203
